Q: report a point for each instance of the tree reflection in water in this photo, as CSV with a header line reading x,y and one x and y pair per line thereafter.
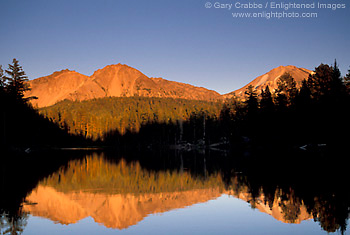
x,y
13,224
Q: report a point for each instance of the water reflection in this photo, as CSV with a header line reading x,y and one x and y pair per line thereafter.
x,y
119,193
116,195
13,224
286,211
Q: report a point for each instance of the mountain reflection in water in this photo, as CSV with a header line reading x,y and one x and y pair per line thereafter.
x,y
119,193
116,195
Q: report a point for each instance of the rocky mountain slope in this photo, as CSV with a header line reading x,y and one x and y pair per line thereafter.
x,y
111,81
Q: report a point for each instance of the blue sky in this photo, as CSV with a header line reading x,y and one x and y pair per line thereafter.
x,y
177,40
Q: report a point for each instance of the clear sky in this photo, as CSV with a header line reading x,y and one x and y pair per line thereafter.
x,y
179,40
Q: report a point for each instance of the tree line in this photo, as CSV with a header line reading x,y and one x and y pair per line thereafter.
x,y
99,118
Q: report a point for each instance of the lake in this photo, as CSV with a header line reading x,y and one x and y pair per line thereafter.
x,y
172,193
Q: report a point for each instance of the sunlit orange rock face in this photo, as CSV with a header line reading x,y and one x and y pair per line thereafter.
x,y
111,81
58,86
271,78
113,211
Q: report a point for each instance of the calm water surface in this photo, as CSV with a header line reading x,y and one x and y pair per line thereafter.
x,y
97,194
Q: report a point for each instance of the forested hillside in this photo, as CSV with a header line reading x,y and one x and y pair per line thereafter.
x,y
95,118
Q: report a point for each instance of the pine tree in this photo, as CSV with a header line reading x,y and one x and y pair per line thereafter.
x,y
2,79
347,81
286,90
281,100
336,85
326,83
266,103
304,96
251,100
16,80
320,82
336,72
251,106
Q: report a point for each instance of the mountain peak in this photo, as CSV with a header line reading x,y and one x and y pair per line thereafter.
x,y
283,69
287,66
57,73
117,66
271,78
113,68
